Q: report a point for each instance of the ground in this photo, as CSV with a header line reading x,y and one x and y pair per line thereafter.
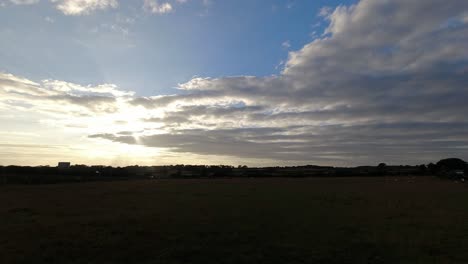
x,y
316,220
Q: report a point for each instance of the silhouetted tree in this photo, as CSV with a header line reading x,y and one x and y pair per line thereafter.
x,y
432,168
423,169
382,167
451,164
4,178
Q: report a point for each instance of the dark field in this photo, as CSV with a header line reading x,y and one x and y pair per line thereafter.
x,y
337,220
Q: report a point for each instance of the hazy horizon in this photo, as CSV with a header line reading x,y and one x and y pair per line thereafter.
x,y
249,82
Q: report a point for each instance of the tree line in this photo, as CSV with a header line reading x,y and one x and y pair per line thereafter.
x,y
449,168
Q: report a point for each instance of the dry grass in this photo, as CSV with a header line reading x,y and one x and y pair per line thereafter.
x,y
336,220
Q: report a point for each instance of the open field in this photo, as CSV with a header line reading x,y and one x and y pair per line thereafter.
x,y
313,220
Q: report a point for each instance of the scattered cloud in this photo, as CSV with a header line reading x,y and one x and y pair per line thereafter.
x,y
86,7
111,27
325,11
387,81
155,7
397,82
286,44
59,97
83,7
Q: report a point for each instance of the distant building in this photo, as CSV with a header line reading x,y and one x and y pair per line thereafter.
x,y
64,165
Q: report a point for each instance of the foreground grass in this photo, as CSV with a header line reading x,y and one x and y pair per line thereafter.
x,y
338,220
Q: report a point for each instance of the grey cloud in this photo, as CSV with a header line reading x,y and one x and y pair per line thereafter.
x,y
386,82
48,95
345,144
163,101
184,115
152,102
95,103
388,79
120,138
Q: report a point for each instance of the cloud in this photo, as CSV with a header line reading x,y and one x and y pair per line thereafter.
x,y
52,96
155,7
329,144
325,11
83,7
385,82
382,64
86,7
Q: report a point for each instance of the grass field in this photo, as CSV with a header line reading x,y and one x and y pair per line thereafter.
x,y
318,220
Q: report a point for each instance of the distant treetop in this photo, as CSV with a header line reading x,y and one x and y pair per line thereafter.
x,y
452,164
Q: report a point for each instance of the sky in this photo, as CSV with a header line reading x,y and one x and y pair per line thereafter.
x,y
254,82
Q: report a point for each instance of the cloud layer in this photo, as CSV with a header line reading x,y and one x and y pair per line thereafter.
x,y
387,81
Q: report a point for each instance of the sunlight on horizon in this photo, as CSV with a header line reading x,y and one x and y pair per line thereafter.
x,y
303,82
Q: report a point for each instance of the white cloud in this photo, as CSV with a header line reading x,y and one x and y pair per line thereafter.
x,y
59,97
386,83
155,7
83,7
325,11
386,71
86,7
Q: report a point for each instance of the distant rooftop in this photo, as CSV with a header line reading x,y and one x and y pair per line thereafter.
x,y
63,165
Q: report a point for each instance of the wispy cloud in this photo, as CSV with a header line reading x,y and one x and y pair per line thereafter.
x,y
325,11
86,7
155,7
83,7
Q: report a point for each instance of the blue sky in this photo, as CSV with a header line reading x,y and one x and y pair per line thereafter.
x,y
252,82
152,53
